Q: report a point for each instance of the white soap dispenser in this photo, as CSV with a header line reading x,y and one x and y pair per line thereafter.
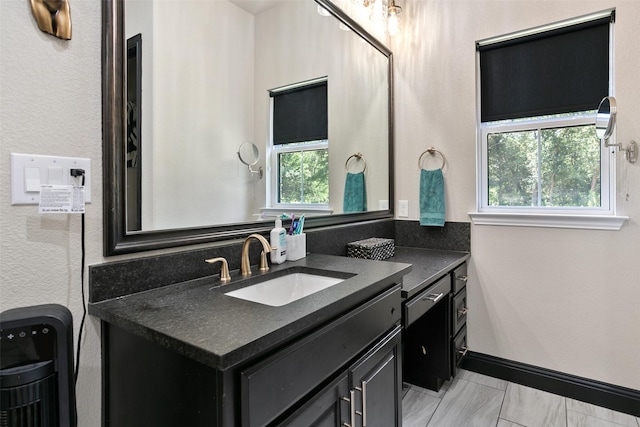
x,y
278,240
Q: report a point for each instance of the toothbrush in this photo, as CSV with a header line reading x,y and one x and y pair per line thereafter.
x,y
292,228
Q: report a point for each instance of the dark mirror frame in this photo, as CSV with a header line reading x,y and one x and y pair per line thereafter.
x,y
116,238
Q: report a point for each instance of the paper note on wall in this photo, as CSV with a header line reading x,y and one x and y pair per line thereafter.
x,y
61,199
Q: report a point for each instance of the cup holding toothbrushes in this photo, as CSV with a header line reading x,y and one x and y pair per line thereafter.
x,y
296,239
296,246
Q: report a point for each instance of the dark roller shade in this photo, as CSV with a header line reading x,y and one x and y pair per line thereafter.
x,y
300,114
559,71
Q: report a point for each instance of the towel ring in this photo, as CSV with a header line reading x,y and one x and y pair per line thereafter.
x,y
433,152
358,156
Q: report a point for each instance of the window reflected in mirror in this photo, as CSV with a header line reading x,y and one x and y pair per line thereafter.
x,y
300,146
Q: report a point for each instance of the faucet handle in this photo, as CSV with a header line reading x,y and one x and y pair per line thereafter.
x,y
224,268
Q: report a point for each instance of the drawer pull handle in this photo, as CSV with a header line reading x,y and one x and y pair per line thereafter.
x,y
363,390
463,311
463,351
463,278
433,297
352,409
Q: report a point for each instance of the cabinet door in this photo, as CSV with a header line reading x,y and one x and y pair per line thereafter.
x,y
329,408
376,378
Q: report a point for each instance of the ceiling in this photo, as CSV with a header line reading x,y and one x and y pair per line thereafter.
x,y
256,7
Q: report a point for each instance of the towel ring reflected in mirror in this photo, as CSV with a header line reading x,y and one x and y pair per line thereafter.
x,y
357,157
432,151
249,155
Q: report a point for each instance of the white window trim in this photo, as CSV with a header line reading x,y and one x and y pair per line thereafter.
x,y
272,172
607,171
588,222
597,219
603,218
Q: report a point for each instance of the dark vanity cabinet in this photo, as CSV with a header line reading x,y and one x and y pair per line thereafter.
x,y
367,394
459,309
427,336
435,333
344,372
328,408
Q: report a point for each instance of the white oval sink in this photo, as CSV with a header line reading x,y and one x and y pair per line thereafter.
x,y
285,289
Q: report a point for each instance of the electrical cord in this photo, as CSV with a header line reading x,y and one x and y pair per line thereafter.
x,y
76,173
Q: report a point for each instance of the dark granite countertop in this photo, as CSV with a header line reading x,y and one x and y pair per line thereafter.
x,y
197,320
428,266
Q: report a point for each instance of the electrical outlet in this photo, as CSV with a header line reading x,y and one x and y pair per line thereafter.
x,y
29,171
403,208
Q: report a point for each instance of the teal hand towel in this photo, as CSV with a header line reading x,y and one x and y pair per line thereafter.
x,y
355,193
431,197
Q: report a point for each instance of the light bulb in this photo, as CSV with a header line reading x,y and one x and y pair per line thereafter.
x,y
393,25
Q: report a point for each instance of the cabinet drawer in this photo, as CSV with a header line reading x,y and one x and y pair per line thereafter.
x,y
423,302
459,349
459,312
271,386
459,278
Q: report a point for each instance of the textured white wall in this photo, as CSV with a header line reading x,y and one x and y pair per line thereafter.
x,y
50,103
556,298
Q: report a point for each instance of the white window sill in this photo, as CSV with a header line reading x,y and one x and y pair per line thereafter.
x,y
591,222
307,211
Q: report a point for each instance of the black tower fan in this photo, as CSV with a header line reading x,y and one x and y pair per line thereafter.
x,y
36,367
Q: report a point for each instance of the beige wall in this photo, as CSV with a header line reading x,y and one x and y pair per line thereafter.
x,y
556,298
561,299
50,103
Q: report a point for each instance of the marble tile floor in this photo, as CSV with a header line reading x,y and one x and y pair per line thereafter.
x,y
480,401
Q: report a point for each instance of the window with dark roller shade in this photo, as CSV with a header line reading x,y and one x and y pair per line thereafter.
x,y
538,153
300,146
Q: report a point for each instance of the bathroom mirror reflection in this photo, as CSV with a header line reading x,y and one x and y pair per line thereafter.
x,y
606,117
195,115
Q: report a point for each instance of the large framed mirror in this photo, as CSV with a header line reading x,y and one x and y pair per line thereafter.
x,y
172,175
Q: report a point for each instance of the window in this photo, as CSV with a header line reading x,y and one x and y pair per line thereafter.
x,y
300,146
552,163
303,173
540,162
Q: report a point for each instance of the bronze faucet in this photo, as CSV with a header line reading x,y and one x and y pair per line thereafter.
x,y
224,268
245,267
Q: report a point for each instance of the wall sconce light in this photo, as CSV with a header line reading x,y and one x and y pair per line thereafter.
x,y
384,13
393,22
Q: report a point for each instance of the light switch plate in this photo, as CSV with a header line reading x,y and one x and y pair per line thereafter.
x,y
52,170
403,208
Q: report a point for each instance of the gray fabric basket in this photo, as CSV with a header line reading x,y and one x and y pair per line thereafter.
x,y
373,248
